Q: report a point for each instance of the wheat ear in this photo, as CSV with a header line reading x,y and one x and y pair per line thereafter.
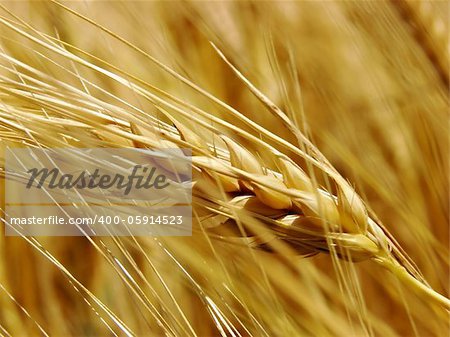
x,y
263,206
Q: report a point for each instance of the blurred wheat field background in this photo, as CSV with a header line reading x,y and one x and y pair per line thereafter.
x,y
367,82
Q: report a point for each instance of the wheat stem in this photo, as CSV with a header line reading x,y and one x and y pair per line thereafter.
x,y
407,279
